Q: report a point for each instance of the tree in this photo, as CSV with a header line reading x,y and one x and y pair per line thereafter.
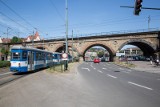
x,y
100,53
15,39
4,51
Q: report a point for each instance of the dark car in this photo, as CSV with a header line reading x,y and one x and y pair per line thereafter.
x,y
96,60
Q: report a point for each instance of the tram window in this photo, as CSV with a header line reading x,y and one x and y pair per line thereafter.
x,y
37,54
15,55
24,55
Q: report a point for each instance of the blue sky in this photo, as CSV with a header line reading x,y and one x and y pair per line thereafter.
x,y
84,17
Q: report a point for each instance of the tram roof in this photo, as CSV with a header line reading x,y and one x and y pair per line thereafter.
x,y
29,48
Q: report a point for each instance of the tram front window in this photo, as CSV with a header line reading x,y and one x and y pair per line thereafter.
x,y
15,55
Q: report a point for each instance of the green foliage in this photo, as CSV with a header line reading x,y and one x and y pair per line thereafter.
x,y
4,64
4,51
100,53
16,40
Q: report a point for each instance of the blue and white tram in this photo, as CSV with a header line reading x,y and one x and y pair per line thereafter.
x,y
24,59
57,57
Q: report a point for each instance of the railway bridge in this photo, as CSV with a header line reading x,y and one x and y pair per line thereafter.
x,y
148,42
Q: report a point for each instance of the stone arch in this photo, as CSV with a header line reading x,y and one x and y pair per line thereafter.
x,y
42,47
60,47
147,47
111,52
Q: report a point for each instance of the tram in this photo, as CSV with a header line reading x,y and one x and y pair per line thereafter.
x,y
57,58
24,59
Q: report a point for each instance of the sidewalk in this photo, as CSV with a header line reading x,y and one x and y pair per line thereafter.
x,y
146,66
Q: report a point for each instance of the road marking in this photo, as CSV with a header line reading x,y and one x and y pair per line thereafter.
x,y
86,69
129,70
6,73
104,68
111,76
125,72
140,85
100,71
121,68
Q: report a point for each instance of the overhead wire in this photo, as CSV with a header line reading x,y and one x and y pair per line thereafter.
x,y
14,21
20,18
57,10
16,13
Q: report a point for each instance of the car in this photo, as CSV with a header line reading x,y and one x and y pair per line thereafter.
x,y
96,60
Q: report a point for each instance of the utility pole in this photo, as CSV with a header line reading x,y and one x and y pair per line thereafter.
x,y
33,40
66,61
149,19
72,46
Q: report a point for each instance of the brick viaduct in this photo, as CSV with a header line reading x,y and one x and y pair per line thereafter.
x,y
148,42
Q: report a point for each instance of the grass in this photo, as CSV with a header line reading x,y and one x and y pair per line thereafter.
x,y
126,64
4,64
60,68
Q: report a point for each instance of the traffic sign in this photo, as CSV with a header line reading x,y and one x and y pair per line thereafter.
x,y
64,56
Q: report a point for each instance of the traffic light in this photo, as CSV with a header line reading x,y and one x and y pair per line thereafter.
x,y
137,6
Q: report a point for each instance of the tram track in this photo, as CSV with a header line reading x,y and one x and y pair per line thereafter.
x,y
7,77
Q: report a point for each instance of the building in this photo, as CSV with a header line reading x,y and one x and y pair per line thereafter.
x,y
89,56
132,54
132,51
35,37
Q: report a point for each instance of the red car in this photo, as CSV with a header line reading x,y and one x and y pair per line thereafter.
x,y
96,60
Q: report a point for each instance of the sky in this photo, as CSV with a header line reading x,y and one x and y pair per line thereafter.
x,y
23,17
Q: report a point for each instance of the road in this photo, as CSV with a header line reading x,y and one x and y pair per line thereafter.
x,y
91,85
6,76
116,86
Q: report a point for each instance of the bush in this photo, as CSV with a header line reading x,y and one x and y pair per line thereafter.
x,y
4,64
76,59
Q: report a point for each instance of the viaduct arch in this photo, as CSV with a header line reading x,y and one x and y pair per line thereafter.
x,y
148,42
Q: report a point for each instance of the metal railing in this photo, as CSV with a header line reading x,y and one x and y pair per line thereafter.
x,y
105,33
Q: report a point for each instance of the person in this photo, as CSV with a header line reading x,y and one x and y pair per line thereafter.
x,y
151,60
157,61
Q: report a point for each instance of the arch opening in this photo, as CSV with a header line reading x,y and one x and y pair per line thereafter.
x,y
98,51
136,50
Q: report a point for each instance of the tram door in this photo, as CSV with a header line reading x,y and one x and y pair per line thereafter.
x,y
30,61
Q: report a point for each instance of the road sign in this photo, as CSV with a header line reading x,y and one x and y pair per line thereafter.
x,y
64,56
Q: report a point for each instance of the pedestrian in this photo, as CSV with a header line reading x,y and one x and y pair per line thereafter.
x,y
151,60
157,61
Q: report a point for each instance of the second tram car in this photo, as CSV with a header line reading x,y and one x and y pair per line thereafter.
x,y
57,57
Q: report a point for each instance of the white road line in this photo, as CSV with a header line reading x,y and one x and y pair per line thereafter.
x,y
111,76
129,70
104,68
6,73
139,85
99,71
121,68
125,72
92,66
86,69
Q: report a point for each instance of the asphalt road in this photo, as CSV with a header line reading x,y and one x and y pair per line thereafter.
x,y
116,86
91,85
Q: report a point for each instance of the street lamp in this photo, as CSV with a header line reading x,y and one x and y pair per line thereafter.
x,y
66,62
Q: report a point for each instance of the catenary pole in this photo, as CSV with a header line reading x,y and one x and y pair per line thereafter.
x,y
66,62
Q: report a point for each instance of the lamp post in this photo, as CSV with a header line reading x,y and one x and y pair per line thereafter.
x,y
33,40
72,46
66,61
